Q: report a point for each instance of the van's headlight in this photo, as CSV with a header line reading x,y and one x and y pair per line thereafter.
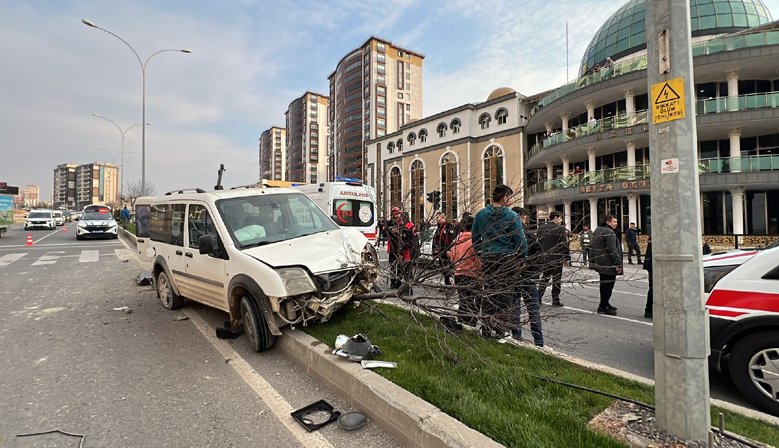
x,y
296,281
713,274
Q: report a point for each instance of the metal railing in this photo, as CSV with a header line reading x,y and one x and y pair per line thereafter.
x,y
731,43
738,164
735,103
597,126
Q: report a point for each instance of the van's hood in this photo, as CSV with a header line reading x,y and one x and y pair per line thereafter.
x,y
728,258
334,250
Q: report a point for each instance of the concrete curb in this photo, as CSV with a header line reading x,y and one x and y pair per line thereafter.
x,y
128,236
411,420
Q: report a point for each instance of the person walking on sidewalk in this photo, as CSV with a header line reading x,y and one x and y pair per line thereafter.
x,y
585,241
648,268
606,261
125,215
527,290
554,242
631,238
467,272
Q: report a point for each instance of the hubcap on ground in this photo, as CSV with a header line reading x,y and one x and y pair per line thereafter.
x,y
764,372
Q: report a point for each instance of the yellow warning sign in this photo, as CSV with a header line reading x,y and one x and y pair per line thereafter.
x,y
668,101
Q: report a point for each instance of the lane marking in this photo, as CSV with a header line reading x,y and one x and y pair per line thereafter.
x,y
123,254
56,252
5,260
54,232
581,311
46,259
91,244
89,256
275,402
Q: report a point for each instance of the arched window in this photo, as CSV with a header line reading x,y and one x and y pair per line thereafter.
x,y
417,192
484,120
493,171
390,147
449,186
423,135
395,187
411,139
501,115
399,144
441,129
455,125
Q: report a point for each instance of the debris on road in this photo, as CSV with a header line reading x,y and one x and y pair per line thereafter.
x,y
356,348
121,308
352,420
316,415
373,364
180,317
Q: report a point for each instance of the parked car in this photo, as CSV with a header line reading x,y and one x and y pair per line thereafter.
x,y
68,215
59,218
97,224
742,296
77,215
40,219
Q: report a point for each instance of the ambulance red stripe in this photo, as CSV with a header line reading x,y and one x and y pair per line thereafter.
x,y
750,300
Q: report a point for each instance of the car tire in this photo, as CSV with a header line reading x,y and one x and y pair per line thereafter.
x,y
79,237
750,358
170,300
258,334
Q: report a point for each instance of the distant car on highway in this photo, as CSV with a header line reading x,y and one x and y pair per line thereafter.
x,y
40,219
97,224
59,218
77,215
68,215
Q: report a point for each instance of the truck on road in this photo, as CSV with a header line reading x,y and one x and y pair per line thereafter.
x,y
6,207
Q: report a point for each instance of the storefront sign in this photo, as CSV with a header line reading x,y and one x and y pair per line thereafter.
x,y
631,185
628,131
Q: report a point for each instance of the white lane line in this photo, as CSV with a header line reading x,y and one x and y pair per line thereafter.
x,y
5,260
43,238
55,252
91,244
581,311
46,259
89,256
277,404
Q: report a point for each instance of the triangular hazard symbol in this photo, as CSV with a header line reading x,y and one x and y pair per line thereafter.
x,y
666,94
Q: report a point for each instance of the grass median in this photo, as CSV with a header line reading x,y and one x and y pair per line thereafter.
x,y
490,386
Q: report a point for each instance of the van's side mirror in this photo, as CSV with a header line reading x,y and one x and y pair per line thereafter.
x,y
206,244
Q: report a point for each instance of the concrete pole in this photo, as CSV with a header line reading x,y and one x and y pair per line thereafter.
x,y
735,149
591,152
732,77
590,105
565,116
567,213
737,195
630,100
593,211
681,322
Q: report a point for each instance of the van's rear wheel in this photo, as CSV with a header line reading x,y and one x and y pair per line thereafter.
x,y
258,333
754,368
165,293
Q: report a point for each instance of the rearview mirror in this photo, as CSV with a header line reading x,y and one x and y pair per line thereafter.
x,y
206,244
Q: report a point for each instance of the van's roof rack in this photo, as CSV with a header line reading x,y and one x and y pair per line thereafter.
x,y
257,185
181,191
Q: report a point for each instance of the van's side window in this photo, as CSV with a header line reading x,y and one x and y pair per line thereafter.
x,y
200,224
142,216
167,224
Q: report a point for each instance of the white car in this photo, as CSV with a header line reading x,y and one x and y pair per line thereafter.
x,y
742,296
59,218
269,257
97,224
40,219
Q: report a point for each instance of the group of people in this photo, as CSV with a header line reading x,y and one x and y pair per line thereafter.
x,y
595,69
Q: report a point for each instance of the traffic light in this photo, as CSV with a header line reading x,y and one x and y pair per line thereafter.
x,y
436,200
430,197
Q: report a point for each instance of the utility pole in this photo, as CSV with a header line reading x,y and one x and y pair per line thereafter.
x,y
681,322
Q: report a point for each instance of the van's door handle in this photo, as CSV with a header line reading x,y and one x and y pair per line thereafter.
x,y
140,241
188,254
178,252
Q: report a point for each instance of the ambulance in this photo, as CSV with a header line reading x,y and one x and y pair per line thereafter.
x,y
349,203
742,296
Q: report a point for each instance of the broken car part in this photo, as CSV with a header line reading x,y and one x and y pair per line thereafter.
x,y
357,348
316,415
352,420
366,364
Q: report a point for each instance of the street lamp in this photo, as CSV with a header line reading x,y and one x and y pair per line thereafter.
x,y
113,159
143,70
123,133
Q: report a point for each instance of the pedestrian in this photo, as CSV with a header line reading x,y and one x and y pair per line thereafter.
x,y
528,288
554,242
606,261
648,268
631,238
410,250
585,242
706,247
499,242
379,231
394,247
467,272
442,241
125,215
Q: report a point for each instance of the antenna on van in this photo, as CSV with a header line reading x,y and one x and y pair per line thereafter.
x,y
219,179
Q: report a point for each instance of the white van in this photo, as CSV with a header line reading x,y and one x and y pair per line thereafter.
x,y
351,204
267,256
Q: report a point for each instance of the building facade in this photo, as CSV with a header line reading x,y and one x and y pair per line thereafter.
x,y
273,153
375,90
588,146
97,183
307,136
30,195
64,186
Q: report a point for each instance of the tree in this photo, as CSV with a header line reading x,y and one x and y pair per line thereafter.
x,y
133,191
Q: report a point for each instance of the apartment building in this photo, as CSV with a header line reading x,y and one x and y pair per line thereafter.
x,y
65,185
97,183
374,90
31,195
273,153
307,136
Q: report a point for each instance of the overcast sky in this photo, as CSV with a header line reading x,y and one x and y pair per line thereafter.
x,y
250,59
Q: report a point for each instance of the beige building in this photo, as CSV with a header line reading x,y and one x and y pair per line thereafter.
x,y
273,153
374,91
97,183
307,136
462,153
31,195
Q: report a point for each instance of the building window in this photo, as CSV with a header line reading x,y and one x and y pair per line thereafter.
x,y
484,120
367,66
381,58
381,133
417,191
408,118
390,147
395,186
381,101
399,144
455,125
380,80
381,69
381,112
400,95
367,80
449,186
408,66
441,129
408,97
493,171
423,135
408,86
382,123
501,115
381,91
408,76
408,56
400,54
411,139
408,107
380,47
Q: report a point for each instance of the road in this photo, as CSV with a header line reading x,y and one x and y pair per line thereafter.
x,y
69,361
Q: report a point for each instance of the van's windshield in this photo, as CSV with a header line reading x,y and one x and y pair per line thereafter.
x,y
270,218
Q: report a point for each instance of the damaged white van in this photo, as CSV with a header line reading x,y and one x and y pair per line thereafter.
x,y
267,256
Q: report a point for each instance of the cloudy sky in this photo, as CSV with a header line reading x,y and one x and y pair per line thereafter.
x,y
250,59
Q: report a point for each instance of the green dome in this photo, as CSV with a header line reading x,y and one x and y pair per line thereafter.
x,y
625,31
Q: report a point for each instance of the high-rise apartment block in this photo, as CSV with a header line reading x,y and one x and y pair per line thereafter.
x,y
273,153
65,185
76,186
307,138
374,90
31,195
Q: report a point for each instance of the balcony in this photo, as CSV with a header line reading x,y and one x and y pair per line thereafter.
x,y
739,164
596,127
737,103
736,43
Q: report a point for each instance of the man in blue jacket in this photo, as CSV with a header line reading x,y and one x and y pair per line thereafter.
x,y
499,242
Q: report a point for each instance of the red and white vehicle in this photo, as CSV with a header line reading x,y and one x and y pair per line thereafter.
x,y
351,204
742,295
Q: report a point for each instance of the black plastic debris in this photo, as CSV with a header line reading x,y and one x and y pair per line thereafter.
x,y
356,348
316,415
227,332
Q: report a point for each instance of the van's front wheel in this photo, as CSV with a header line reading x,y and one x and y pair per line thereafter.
x,y
258,333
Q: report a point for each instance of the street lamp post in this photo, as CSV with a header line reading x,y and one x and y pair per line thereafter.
x,y
121,187
143,70
113,159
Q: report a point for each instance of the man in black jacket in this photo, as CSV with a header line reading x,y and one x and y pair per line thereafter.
x,y
648,268
607,261
443,238
528,290
554,243
631,238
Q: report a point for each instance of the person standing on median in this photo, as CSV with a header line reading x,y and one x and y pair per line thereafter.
x,y
467,272
606,261
125,215
631,238
554,241
442,241
499,241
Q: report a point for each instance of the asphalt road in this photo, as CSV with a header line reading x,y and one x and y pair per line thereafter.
x,y
69,361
